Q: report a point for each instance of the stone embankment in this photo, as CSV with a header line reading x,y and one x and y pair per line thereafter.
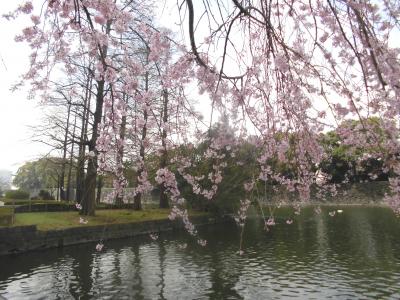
x,y
20,239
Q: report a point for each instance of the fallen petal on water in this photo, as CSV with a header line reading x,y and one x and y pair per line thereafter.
x,y
154,236
99,246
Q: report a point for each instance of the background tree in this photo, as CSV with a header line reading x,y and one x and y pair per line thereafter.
x,y
361,161
5,181
43,173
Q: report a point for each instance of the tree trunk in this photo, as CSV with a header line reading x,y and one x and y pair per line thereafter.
x,y
80,170
119,198
71,161
58,187
137,199
89,195
80,174
163,203
63,163
99,187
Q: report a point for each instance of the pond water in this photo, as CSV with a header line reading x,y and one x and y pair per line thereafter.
x,y
352,255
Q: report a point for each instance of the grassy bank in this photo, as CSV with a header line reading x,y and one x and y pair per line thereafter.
x,y
62,220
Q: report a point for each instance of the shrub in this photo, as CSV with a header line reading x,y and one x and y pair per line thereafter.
x,y
45,195
17,194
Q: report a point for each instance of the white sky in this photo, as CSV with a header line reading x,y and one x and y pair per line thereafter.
x,y
16,111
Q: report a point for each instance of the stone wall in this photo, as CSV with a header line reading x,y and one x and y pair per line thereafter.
x,y
6,220
25,238
52,207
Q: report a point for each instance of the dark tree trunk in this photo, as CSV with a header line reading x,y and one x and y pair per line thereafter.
x,y
71,162
80,174
64,159
58,188
80,170
119,198
99,187
137,199
164,155
89,195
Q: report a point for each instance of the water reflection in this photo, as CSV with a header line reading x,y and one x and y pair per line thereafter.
x,y
355,254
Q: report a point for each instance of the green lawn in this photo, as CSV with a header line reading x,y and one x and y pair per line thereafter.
x,y
60,220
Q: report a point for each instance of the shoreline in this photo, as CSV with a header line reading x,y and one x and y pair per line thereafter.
x,y
21,239
25,238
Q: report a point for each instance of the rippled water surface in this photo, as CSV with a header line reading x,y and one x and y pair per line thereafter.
x,y
353,255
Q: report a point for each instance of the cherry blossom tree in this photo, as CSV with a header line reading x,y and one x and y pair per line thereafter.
x,y
284,71
302,67
71,29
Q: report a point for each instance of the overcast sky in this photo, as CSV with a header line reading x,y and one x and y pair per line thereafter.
x,y
16,111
